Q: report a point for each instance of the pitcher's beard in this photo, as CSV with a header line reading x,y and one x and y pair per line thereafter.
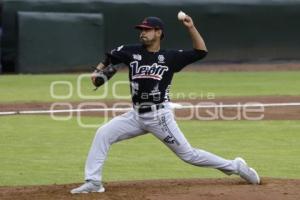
x,y
145,41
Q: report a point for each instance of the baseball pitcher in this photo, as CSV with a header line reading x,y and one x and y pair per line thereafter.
x,y
151,70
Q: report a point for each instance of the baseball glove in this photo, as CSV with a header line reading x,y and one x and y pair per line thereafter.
x,y
100,76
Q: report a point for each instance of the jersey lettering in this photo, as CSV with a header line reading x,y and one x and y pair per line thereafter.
x,y
154,71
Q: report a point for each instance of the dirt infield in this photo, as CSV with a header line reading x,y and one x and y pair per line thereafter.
x,y
186,189
269,113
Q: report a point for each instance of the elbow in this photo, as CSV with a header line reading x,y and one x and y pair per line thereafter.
x,y
201,53
201,49
205,51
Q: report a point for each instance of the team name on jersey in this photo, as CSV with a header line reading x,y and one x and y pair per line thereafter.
x,y
154,71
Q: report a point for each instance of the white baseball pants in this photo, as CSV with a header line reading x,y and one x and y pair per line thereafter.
x,y
162,125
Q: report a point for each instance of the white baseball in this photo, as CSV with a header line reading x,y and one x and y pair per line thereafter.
x,y
181,15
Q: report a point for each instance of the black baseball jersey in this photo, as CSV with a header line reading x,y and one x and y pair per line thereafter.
x,y
151,73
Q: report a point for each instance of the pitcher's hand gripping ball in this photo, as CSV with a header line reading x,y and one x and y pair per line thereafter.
x,y
181,15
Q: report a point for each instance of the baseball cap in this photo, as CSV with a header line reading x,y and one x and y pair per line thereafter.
x,y
151,22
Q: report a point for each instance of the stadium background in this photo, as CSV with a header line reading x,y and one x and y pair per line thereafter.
x,y
42,36
253,57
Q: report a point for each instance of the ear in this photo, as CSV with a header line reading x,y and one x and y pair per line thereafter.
x,y
158,33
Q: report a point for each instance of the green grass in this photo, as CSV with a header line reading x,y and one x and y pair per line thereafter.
x,y
26,88
39,150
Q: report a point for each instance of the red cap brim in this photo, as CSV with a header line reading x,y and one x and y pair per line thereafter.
x,y
143,26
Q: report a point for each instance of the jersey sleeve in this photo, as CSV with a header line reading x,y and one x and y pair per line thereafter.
x,y
118,55
183,58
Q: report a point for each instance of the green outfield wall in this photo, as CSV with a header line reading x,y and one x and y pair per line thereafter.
x,y
70,35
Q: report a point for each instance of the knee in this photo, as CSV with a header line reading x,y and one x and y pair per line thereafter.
x,y
188,156
106,135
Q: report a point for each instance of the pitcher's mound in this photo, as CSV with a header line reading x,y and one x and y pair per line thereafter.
x,y
189,189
